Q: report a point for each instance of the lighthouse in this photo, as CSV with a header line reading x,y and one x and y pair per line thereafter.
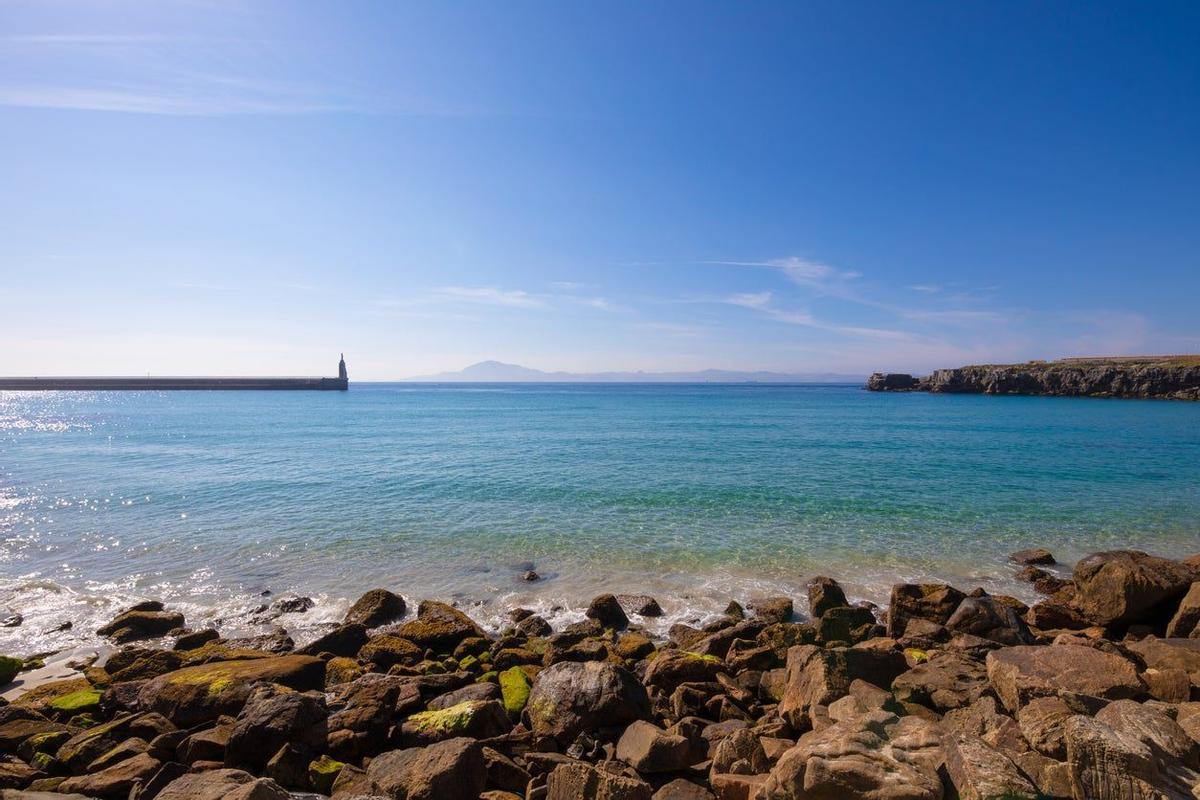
x,y
342,369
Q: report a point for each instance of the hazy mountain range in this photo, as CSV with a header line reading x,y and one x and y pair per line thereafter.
x,y
498,371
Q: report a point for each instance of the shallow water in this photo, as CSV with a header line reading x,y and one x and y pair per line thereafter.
x,y
694,493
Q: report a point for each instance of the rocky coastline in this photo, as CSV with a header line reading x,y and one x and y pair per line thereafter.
x,y
1092,692
1164,377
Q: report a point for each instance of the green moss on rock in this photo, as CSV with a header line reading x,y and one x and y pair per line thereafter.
x,y
452,720
491,676
81,702
514,688
323,772
9,667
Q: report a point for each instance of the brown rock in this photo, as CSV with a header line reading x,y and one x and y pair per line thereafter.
x,y
133,625
741,745
1151,727
980,772
649,749
817,676
1083,676
947,680
580,780
344,640
570,698
439,627
1042,720
449,770
1034,555
269,720
606,610
641,604
672,667
773,609
824,594
680,789
114,781
476,719
737,787
222,784
375,608
989,618
383,651
1103,762
935,602
1184,623
1121,587
1162,654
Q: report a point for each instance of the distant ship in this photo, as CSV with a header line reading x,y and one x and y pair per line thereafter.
x,y
148,383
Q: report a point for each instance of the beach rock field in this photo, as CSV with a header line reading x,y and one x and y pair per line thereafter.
x,y
949,692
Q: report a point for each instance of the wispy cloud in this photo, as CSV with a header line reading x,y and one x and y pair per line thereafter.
x,y
490,295
135,101
927,288
763,303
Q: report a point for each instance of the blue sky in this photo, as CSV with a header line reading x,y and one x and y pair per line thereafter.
x,y
214,186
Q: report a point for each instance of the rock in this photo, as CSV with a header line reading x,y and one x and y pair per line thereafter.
x,y
641,604
222,784
718,643
649,749
570,698
878,756
980,772
1121,587
989,618
680,789
935,602
9,667
1042,720
86,746
1038,556
138,624
529,576
737,787
514,689
892,382
983,719
472,691
1083,676
289,767
477,719
533,625
196,639
1186,618
580,780
817,676
202,693
375,608
114,781
439,627
670,668
634,646
606,610
947,680
383,651
503,772
824,594
773,609
1050,615
292,605
847,625
741,745
449,770
1152,727
1163,654
344,640
269,720
1168,685
1103,763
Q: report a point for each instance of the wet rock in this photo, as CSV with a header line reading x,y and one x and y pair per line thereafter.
x,y
269,720
344,640
477,719
222,784
199,694
649,749
529,576
1038,556
1187,617
138,624
376,607
1120,587
383,651
989,618
773,609
879,756
641,604
292,605
533,625
449,770
580,780
824,594
196,639
606,610
935,602
718,643
980,772
439,627
1083,676
947,680
114,781
570,698
846,624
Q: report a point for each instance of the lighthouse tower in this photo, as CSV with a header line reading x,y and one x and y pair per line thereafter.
x,y
342,369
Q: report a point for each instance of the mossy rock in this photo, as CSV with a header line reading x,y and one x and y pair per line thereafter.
x,y
323,772
47,742
83,701
9,667
431,668
916,654
32,664
46,763
39,698
468,663
85,721
491,676
476,719
634,646
341,670
514,688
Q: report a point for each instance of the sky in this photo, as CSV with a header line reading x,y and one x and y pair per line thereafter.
x,y
225,187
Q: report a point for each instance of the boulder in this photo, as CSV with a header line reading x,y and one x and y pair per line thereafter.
x,y
1037,556
641,604
743,746
989,618
472,691
383,651
824,594
1121,587
1041,721
935,602
983,718
846,624
137,624
1186,618
680,789
980,772
649,749
817,676
773,609
344,640
729,786
580,780
570,698
476,719
222,784
114,781
1107,763
439,627
947,680
449,770
1164,654
272,718
375,608
198,694
606,610
878,756
1152,727
1083,676
669,668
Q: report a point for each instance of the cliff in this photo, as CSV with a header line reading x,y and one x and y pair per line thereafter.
x,y
1171,377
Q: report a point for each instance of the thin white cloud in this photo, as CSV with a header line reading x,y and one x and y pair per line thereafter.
x,y
490,295
927,288
169,103
762,303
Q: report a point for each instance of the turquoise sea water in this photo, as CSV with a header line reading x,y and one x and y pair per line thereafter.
x,y
695,493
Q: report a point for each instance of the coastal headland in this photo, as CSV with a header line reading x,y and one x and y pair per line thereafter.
x,y
1164,377
948,692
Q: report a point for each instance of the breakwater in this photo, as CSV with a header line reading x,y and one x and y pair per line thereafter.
x,y
1165,377
148,383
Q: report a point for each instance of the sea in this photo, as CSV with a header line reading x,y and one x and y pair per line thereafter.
x,y
219,503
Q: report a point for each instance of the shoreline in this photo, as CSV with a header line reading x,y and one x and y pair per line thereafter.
x,y
946,681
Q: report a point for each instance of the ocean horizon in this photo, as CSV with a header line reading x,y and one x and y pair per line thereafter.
x,y
695,493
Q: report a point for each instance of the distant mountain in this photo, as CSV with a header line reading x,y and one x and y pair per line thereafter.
x,y
499,372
